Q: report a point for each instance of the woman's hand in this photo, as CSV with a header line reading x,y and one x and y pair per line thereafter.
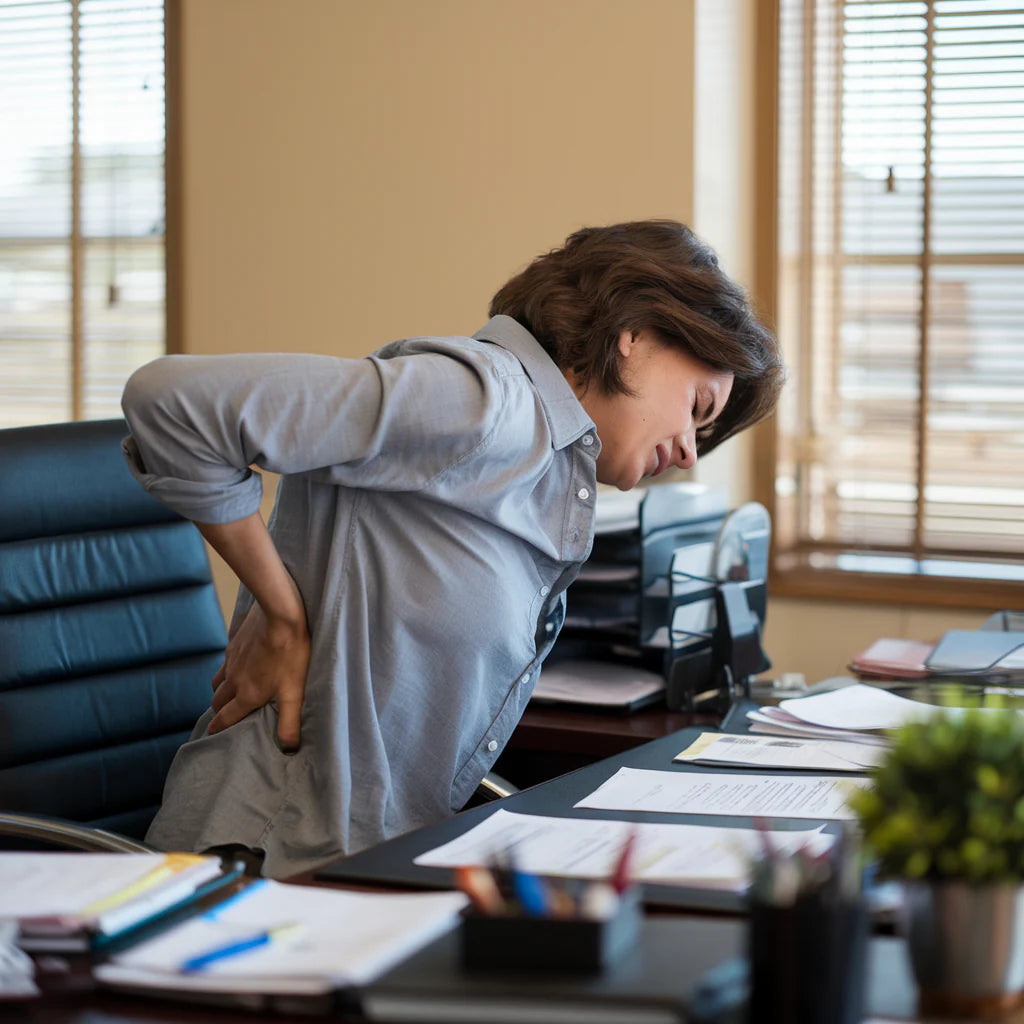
x,y
266,659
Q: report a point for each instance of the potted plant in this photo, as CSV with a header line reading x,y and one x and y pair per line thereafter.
x,y
945,815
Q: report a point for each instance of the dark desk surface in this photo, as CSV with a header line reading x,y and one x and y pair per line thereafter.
x,y
391,863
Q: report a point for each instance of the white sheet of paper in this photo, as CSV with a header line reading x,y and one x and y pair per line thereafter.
x,y
346,938
857,707
748,751
822,798
703,856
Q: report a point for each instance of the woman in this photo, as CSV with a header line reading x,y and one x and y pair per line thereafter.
x,y
436,499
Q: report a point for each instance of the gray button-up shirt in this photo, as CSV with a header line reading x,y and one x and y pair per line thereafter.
x,y
436,499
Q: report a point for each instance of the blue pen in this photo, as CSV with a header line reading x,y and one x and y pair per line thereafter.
x,y
203,960
530,893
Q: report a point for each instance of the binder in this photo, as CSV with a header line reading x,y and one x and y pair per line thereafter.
x,y
77,902
979,652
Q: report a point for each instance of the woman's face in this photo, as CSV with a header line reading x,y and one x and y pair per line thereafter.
x,y
655,427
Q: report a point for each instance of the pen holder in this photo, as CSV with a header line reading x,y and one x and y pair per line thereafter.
x,y
518,941
808,961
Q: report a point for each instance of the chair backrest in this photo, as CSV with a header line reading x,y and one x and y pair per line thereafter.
x,y
110,629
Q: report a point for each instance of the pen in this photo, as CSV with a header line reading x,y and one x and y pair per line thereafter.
x,y
238,946
530,893
624,867
479,885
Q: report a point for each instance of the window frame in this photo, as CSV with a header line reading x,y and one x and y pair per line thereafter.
x,y
83,379
807,571
173,178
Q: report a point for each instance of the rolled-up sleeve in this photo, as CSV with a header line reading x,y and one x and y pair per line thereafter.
x,y
200,423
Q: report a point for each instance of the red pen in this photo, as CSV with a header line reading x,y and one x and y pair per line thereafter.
x,y
622,875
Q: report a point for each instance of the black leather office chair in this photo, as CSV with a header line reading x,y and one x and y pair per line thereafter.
x,y
110,632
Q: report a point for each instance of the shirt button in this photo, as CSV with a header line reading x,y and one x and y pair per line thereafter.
x,y
583,494
588,439
544,591
575,534
492,746
549,627
525,679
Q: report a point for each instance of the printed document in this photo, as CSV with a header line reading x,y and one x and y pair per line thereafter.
x,y
820,797
701,856
746,751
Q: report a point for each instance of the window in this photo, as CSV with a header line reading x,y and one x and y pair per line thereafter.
x,y
82,282
899,256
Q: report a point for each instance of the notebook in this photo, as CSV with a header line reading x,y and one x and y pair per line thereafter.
x,y
289,941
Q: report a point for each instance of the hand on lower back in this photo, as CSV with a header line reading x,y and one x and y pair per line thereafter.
x,y
266,659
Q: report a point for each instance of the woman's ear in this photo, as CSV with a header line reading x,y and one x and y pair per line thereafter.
x,y
627,339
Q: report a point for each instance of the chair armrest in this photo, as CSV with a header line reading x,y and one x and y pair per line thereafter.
x,y
68,834
494,787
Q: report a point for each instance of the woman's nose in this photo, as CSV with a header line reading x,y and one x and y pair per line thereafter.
x,y
686,456
686,451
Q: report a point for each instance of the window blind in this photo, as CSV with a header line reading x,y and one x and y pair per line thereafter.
x,y
901,283
82,291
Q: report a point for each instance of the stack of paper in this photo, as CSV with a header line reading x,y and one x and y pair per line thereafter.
x,y
274,938
69,901
857,713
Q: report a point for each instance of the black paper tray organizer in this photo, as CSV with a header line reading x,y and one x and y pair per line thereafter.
x,y
675,583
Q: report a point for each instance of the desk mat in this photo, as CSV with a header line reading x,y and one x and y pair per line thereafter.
x,y
391,863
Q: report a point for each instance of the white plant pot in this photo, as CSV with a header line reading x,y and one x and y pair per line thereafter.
x,y
966,945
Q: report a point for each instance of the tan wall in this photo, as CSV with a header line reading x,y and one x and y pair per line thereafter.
x,y
723,178
357,172
819,638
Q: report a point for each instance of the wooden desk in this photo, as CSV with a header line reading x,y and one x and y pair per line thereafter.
x,y
553,740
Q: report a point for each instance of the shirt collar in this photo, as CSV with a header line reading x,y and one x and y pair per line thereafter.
x,y
567,419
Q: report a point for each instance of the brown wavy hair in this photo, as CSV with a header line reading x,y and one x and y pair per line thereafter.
x,y
654,275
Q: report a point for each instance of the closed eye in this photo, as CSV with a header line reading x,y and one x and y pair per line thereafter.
x,y
701,418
